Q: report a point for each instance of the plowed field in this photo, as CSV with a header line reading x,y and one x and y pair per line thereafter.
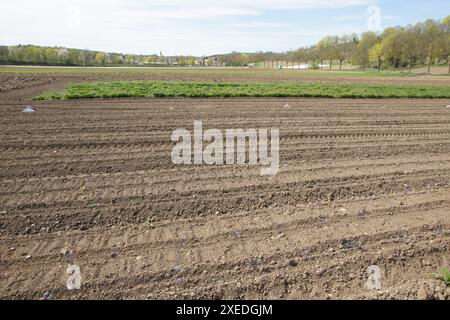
x,y
361,183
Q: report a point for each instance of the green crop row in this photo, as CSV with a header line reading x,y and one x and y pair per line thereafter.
x,y
127,89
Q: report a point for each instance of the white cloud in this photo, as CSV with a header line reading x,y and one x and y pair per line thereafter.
x,y
171,9
140,26
260,24
262,4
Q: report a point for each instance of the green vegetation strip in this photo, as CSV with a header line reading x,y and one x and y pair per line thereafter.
x,y
236,72
122,89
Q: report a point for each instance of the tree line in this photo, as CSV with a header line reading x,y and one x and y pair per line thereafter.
x,y
424,43
59,56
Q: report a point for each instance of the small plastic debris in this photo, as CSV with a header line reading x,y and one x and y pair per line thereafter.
x,y
286,106
254,262
178,269
48,295
373,278
349,244
448,106
28,109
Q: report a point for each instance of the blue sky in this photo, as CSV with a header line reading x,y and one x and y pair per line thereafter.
x,y
201,27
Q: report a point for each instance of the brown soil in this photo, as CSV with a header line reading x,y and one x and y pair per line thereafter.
x,y
361,182
14,80
11,82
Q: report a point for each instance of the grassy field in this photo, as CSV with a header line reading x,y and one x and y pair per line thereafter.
x,y
121,89
205,71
